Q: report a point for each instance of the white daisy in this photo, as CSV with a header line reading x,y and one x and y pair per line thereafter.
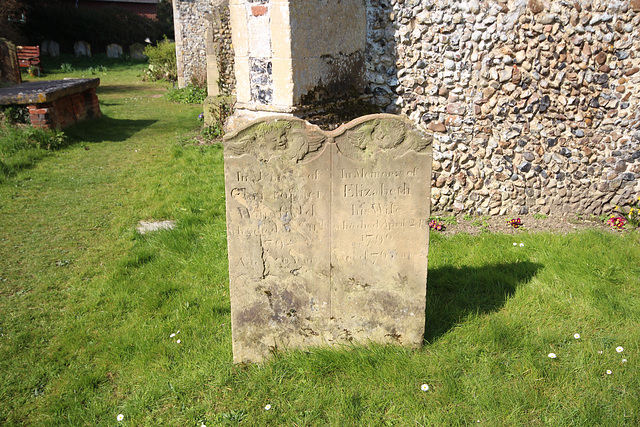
x,y
624,360
576,336
521,244
619,349
120,417
178,341
515,244
552,355
608,371
267,407
424,387
172,335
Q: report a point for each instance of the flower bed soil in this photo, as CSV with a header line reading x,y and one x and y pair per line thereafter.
x,y
500,224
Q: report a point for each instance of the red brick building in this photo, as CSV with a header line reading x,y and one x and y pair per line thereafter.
x,y
146,8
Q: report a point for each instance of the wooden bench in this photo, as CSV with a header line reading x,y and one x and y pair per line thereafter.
x,y
28,56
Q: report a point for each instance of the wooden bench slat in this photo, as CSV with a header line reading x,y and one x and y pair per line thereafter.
x,y
28,56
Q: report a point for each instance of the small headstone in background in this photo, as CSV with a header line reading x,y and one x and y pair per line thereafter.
x,y
114,51
9,69
82,48
51,48
136,51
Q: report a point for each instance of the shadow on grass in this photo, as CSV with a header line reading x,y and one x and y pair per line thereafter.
x,y
115,89
106,129
453,293
116,64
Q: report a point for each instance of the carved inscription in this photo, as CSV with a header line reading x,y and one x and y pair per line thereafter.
x,y
327,234
377,209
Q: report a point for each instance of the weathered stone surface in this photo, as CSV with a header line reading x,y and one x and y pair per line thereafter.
x,y
566,60
203,42
327,233
136,51
145,227
55,103
535,6
82,48
114,51
437,127
38,92
9,70
51,48
544,79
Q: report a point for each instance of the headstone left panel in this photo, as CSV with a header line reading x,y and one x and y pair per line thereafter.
x,y
277,176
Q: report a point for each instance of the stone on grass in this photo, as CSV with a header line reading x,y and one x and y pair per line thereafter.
x,y
149,226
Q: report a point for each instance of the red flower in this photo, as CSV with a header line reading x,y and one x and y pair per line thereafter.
x,y
617,222
515,222
436,225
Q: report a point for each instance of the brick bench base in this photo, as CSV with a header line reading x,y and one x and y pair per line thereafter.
x,y
65,111
55,103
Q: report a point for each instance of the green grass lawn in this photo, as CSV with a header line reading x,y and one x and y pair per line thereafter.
x,y
88,306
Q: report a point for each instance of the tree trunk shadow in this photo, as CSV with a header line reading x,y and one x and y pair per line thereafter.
x,y
453,293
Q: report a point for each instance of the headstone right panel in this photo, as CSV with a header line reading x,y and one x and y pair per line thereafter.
x,y
380,230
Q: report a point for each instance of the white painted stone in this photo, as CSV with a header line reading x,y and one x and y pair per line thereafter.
x,y
145,227
259,32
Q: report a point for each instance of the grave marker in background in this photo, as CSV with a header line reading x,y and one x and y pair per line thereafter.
x,y
51,48
114,51
327,233
9,69
82,48
136,51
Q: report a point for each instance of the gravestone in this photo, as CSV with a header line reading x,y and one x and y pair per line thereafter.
x,y
327,233
82,49
114,51
9,69
51,48
136,51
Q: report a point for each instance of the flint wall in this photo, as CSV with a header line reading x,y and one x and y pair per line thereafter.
x,y
533,104
202,31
